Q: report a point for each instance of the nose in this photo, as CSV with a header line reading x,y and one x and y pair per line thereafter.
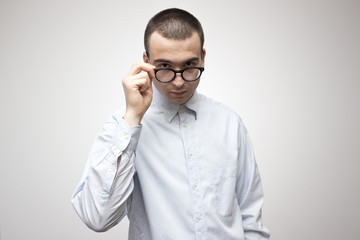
x,y
178,82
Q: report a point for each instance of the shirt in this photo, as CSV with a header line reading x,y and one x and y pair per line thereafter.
x,y
187,172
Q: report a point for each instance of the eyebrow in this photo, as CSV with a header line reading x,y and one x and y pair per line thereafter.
x,y
161,60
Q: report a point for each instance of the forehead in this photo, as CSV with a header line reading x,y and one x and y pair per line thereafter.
x,y
171,49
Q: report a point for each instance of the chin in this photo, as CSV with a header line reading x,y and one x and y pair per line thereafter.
x,y
177,101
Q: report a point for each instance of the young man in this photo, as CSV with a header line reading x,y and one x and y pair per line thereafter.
x,y
177,163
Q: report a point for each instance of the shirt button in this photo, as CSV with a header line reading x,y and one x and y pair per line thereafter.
x,y
198,217
126,136
190,153
195,184
185,125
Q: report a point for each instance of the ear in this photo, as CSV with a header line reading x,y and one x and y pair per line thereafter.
x,y
145,57
203,53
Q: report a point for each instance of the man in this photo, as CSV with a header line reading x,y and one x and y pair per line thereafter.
x,y
177,163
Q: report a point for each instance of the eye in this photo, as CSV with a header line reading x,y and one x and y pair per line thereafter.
x,y
189,64
164,65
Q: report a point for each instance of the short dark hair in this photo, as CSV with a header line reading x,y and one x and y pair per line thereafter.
x,y
173,23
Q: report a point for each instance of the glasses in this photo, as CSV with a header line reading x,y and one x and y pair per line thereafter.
x,y
189,74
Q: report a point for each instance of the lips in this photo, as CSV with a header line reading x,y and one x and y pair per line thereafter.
x,y
178,94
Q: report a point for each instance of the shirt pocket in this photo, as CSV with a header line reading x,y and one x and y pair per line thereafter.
x,y
224,183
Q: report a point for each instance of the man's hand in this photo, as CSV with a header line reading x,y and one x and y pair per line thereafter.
x,y
137,86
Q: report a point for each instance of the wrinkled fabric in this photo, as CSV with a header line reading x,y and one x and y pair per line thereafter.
x,y
188,172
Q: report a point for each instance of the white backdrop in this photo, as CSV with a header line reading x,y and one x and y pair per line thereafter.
x,y
291,69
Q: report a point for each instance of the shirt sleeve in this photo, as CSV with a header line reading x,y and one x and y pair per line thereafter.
x,y
102,196
249,190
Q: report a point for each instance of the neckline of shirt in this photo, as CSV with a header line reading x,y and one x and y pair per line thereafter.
x,y
170,110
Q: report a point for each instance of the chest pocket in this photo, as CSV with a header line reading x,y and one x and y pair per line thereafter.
x,y
224,183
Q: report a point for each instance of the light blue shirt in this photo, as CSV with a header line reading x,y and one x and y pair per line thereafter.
x,y
188,172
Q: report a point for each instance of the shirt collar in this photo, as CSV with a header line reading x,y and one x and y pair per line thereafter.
x,y
170,110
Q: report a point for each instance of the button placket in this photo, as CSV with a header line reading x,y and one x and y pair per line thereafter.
x,y
193,169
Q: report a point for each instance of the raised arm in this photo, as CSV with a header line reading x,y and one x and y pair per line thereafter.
x,y
102,197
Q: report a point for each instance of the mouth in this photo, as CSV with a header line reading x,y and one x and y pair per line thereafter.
x,y
178,94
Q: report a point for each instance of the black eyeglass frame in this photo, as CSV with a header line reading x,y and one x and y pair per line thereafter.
x,y
179,71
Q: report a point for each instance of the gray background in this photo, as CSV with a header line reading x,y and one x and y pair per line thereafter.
x,y
289,68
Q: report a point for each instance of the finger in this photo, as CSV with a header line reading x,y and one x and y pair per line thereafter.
x,y
142,84
145,75
130,79
142,74
142,66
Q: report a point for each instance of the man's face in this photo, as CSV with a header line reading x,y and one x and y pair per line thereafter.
x,y
177,55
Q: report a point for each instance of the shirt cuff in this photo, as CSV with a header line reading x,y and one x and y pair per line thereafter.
x,y
125,137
